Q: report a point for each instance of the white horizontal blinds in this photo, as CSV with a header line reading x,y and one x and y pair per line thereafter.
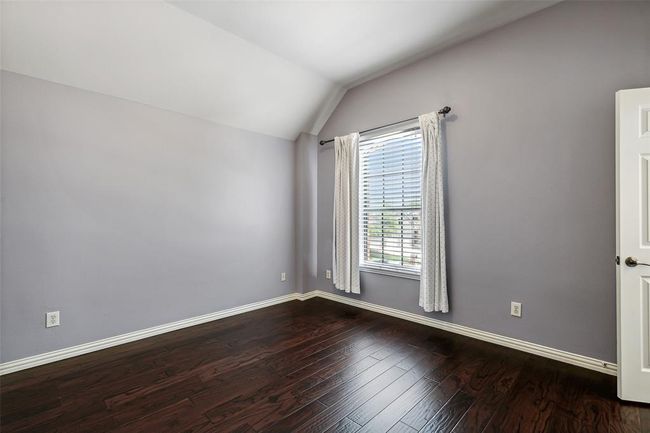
x,y
390,166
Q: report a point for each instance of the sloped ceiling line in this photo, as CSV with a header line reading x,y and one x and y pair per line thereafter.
x,y
276,68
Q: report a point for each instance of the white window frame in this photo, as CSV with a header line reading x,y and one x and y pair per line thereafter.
x,y
376,268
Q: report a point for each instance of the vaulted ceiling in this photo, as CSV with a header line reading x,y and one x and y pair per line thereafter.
x,y
276,68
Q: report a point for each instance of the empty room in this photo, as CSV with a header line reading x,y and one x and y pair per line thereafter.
x,y
325,216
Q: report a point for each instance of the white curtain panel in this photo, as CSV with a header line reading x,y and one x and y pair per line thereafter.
x,y
346,214
433,276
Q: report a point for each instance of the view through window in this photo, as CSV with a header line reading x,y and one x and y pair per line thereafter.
x,y
390,165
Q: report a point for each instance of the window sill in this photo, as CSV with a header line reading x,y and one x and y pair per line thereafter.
x,y
391,273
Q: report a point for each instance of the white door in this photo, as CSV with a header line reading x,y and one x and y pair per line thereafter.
x,y
633,243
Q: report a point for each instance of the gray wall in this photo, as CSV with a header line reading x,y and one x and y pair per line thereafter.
x,y
530,166
124,216
306,190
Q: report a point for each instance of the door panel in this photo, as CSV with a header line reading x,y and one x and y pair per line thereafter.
x,y
645,321
633,243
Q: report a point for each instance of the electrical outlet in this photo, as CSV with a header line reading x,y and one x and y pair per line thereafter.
x,y
283,276
515,309
52,319
328,274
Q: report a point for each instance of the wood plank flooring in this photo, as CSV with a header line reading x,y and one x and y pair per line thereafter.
x,y
314,366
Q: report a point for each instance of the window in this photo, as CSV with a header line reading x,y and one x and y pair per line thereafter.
x,y
389,166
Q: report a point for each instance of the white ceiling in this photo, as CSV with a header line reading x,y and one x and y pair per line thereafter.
x,y
272,67
157,54
349,41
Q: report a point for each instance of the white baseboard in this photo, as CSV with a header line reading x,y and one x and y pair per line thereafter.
x,y
536,349
69,352
513,343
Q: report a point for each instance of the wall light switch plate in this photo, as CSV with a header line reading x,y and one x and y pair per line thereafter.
x,y
283,276
52,319
328,274
515,309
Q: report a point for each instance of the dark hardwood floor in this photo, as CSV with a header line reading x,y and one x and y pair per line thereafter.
x,y
314,366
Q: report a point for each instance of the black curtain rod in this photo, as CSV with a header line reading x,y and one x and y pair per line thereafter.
x,y
444,110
